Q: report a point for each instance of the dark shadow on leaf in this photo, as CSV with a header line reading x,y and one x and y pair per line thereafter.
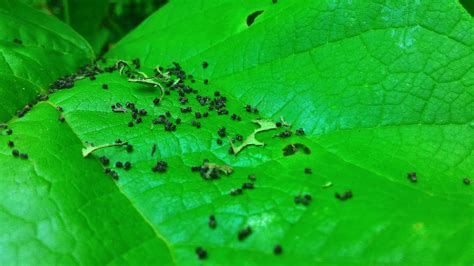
x,y
468,5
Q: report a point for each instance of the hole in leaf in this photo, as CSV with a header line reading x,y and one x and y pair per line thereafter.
x,y
468,5
294,148
251,18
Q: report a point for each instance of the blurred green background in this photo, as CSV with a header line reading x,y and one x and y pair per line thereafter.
x,y
101,22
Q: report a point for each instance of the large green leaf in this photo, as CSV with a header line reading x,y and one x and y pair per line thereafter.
x,y
382,89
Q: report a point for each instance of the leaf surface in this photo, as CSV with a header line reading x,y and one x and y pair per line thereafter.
x,y
381,89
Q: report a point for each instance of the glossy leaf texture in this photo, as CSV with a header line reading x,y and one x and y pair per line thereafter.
x,y
381,89
35,50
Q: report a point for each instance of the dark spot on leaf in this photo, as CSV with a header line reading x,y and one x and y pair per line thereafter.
x,y
466,181
277,250
344,196
201,253
251,18
244,233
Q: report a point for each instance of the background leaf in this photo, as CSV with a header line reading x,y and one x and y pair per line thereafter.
x,y
381,89
48,50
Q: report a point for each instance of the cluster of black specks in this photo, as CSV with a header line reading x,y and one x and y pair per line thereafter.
x,y
160,166
188,109
344,196
284,134
104,160
235,117
212,221
112,173
300,132
412,177
206,172
305,199
244,233
251,109
201,253
466,181
196,124
221,132
17,41
17,153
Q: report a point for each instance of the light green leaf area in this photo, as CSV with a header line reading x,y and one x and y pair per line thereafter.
x,y
48,50
381,89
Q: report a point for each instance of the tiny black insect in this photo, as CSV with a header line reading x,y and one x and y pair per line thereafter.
x,y
10,144
247,186
129,147
306,199
239,137
412,177
297,199
142,112
15,153
59,108
118,141
278,124
61,118
300,132
119,164
236,191
285,134
23,156
219,141
308,170
221,132
205,114
17,41
130,124
212,221
201,253
138,120
104,160
244,233
277,249
105,86
466,181
217,93
206,81
346,195
9,131
114,175
168,114
156,101
178,121
160,167
205,64
127,165
197,115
